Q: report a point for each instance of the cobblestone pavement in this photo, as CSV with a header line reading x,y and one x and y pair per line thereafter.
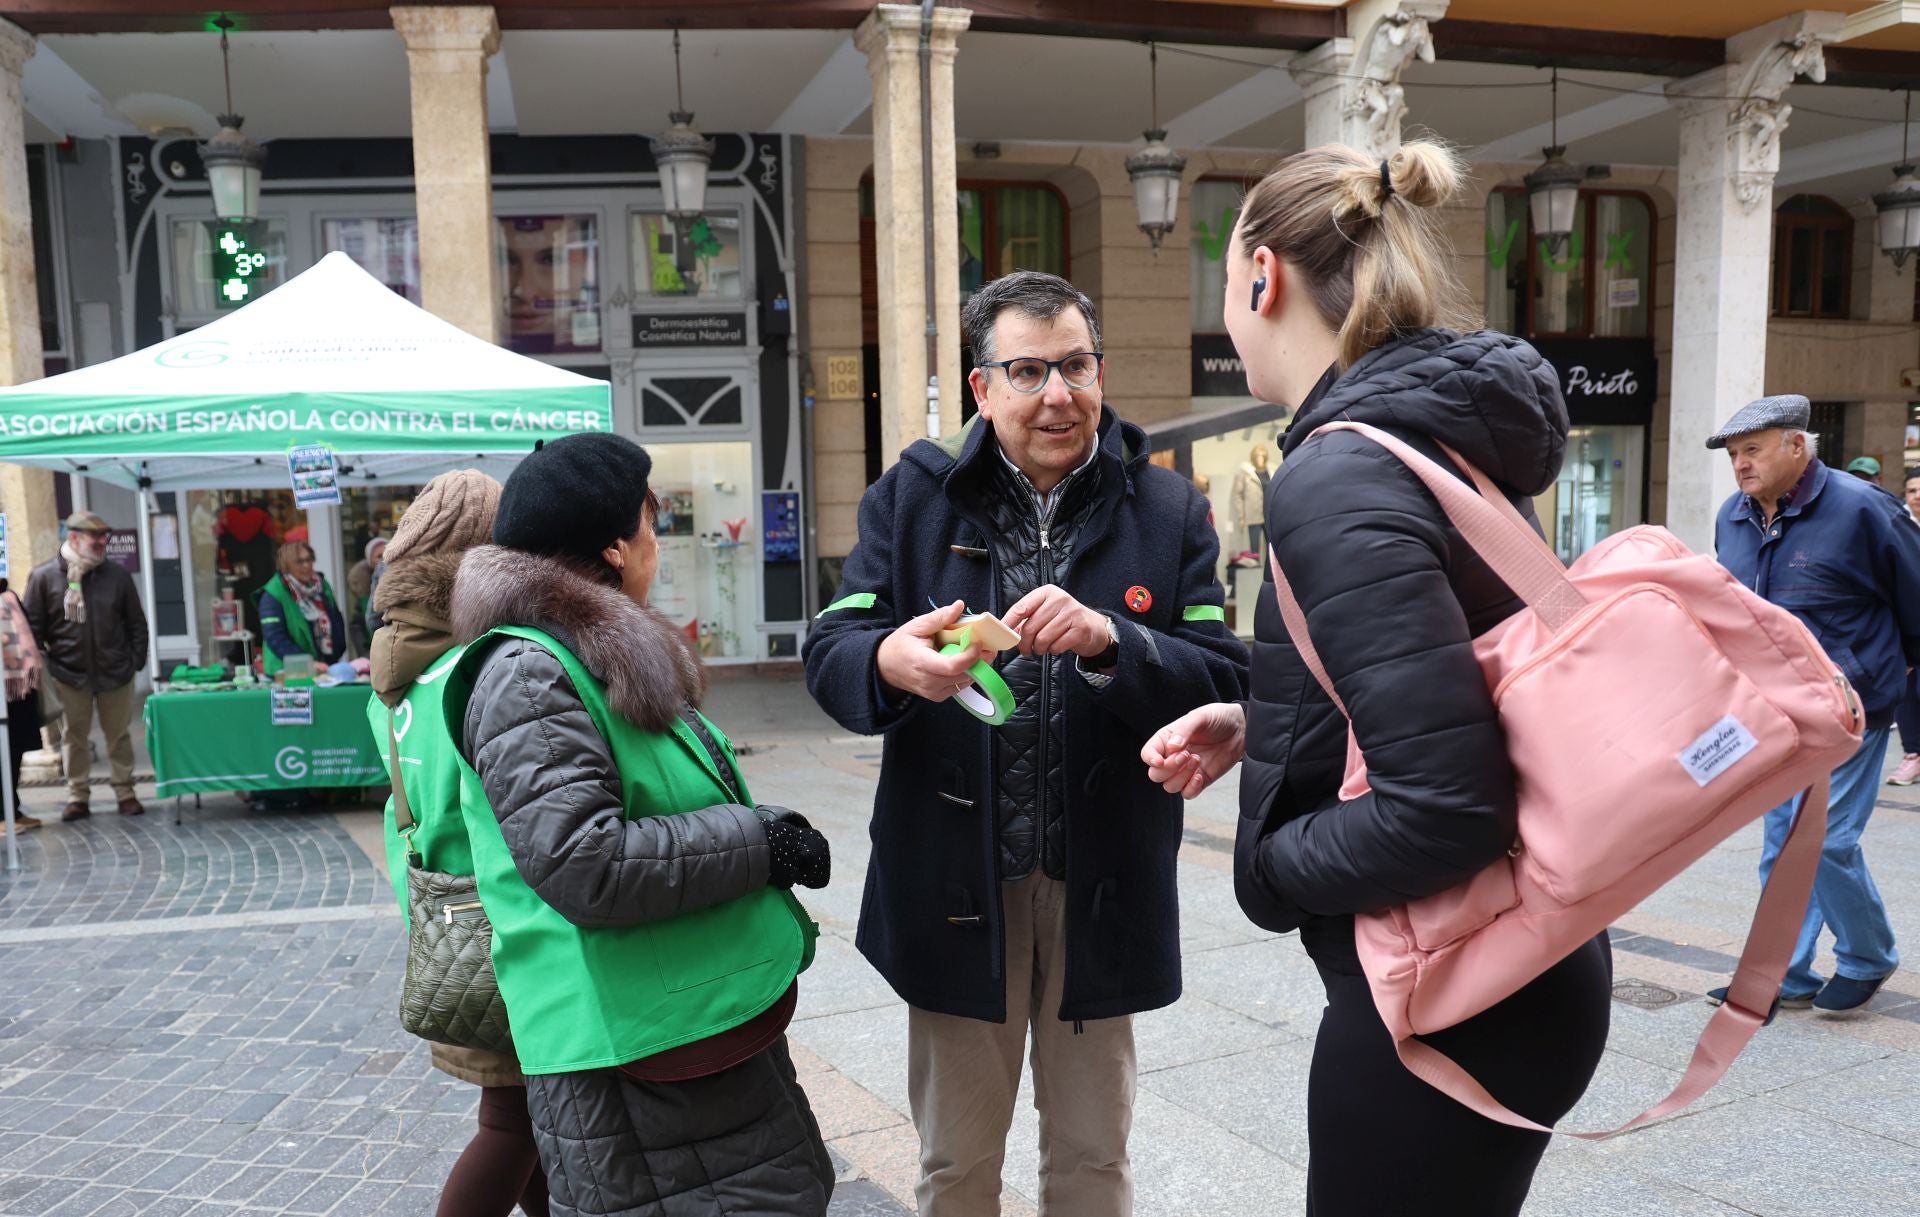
x,y
198,1019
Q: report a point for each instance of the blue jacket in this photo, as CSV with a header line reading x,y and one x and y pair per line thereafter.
x,y
930,920
1845,559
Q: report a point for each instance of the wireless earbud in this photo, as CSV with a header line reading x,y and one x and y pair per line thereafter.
x,y
1259,287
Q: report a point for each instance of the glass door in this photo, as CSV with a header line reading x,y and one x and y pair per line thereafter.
x,y
1598,492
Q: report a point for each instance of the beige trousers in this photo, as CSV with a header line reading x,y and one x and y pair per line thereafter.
x,y
116,720
963,1076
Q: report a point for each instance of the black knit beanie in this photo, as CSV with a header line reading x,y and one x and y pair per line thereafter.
x,y
574,497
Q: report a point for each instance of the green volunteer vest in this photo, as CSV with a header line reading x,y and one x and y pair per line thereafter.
x,y
432,776
589,997
295,621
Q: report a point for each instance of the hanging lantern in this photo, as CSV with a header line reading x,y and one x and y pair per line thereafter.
x,y
1553,198
1899,206
1156,169
1155,173
233,161
683,156
1553,190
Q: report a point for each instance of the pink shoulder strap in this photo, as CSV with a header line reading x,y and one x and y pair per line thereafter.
x,y
1501,535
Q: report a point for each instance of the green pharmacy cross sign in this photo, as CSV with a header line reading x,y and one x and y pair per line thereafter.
x,y
237,266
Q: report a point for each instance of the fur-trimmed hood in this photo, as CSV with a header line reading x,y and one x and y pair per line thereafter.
x,y
645,663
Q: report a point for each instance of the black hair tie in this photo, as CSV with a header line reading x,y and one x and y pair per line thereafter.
x,y
1386,183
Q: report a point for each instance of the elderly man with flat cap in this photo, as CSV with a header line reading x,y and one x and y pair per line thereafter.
x,y
1842,556
86,616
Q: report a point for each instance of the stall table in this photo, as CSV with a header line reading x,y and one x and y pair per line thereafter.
x,y
227,740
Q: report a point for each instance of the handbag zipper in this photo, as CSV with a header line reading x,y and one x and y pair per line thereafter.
x,y
465,911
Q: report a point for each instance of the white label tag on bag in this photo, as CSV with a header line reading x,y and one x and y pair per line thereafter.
x,y
1717,749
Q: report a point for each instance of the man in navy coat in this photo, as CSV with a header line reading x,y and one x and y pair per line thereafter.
x,y
1841,555
1023,876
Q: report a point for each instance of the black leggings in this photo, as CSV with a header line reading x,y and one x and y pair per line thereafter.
x,y
1386,1144
500,1166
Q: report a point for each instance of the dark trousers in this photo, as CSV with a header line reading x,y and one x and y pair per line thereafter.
x,y
1906,715
500,1168
1386,1144
23,736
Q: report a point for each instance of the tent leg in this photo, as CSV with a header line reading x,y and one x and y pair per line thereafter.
x,y
147,509
6,804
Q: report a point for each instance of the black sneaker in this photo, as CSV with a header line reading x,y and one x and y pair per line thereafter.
x,y
1786,1001
1846,993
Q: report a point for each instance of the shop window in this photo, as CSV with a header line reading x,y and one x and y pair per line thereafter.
x,y
549,282
1598,284
388,248
707,581
201,267
1812,257
1214,206
700,261
1007,228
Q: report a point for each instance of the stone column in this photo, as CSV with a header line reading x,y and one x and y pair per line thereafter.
x,y
26,495
1729,152
1352,85
447,50
890,38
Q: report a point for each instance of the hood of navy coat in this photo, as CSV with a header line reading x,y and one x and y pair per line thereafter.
x,y
1488,396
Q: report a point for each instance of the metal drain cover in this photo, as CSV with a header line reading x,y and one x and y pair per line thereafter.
x,y
1642,993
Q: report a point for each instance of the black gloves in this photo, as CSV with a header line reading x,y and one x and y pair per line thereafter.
x,y
797,853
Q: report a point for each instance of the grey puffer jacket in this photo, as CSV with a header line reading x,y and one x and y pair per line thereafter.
x,y
742,1141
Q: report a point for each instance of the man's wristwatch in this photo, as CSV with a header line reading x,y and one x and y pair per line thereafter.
x,y
1107,658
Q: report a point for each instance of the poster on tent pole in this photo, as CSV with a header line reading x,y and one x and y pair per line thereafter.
x,y
316,481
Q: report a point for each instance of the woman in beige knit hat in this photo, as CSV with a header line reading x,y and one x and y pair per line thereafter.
x,y
500,1166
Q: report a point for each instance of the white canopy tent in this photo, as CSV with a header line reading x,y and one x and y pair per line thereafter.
x,y
332,356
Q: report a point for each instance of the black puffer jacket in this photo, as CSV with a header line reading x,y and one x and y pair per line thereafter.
x,y
1393,598
1031,550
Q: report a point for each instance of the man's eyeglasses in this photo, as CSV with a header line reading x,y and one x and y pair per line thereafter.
x,y
1029,374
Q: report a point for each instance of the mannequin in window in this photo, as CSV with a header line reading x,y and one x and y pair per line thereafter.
x,y
246,536
1250,498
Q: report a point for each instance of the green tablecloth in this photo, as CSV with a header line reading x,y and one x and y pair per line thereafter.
x,y
227,741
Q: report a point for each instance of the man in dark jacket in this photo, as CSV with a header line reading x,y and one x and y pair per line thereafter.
x,y
1840,554
86,615
1025,874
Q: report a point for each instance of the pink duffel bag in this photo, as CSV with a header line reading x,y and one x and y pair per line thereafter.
x,y
1652,706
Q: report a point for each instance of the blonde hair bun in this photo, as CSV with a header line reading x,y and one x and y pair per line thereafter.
x,y
1425,173
1420,174
1365,235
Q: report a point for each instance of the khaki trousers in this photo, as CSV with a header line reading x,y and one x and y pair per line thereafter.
x,y
963,1076
116,720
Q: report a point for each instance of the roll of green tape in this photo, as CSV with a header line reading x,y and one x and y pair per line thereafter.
x,y
988,699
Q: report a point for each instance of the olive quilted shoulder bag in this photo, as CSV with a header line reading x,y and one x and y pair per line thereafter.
x,y
449,995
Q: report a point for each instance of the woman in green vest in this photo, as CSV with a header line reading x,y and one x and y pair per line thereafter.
x,y
299,614
645,936
499,1169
